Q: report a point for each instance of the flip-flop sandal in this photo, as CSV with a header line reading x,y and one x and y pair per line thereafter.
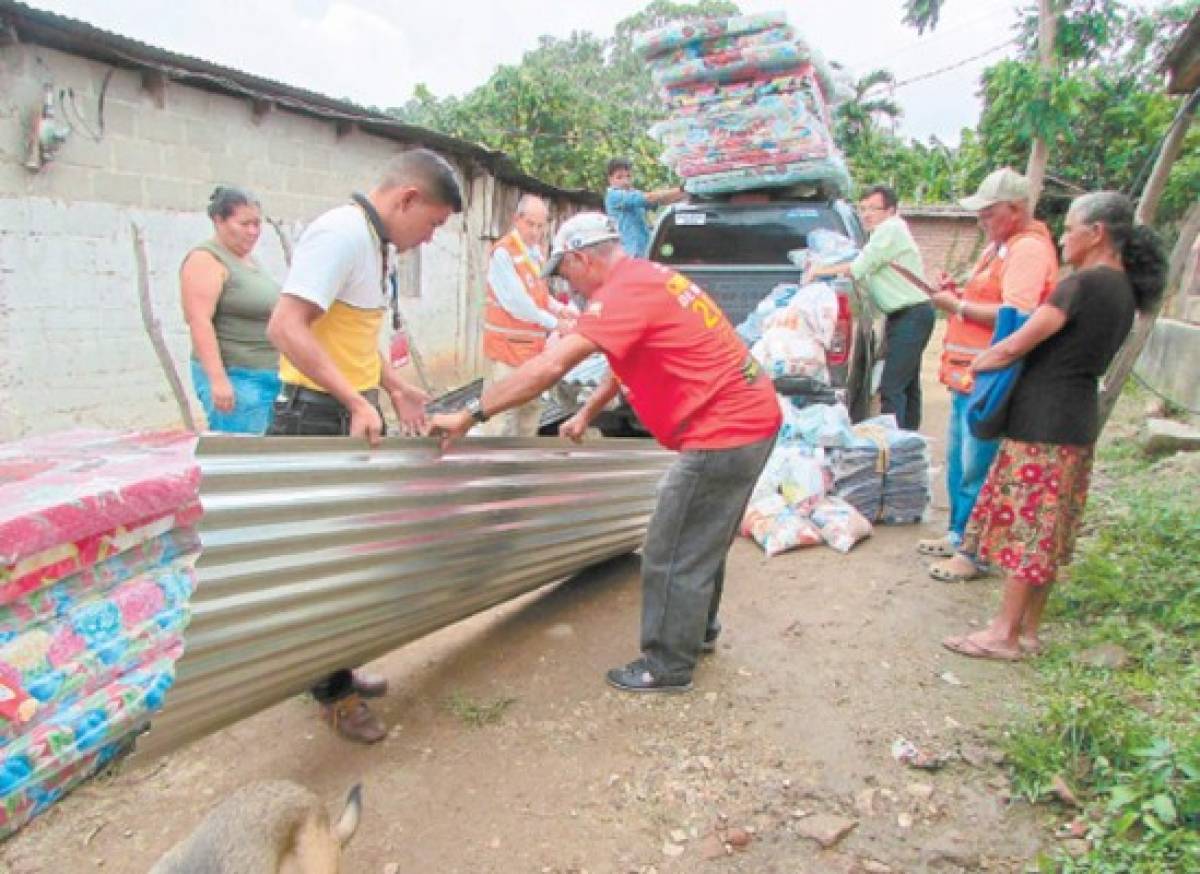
x,y
940,548
1031,649
964,646
944,574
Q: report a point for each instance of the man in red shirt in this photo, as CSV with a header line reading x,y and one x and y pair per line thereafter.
x,y
696,388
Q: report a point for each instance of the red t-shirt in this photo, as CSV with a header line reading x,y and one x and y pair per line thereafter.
x,y
687,373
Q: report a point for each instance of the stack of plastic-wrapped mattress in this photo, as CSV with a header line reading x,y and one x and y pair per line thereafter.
x,y
97,549
748,102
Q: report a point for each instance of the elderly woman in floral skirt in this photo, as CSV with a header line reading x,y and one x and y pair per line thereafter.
x,y
1029,510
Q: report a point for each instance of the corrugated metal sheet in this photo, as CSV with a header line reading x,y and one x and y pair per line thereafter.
x,y
320,554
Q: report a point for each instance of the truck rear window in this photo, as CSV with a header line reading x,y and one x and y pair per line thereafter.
x,y
759,234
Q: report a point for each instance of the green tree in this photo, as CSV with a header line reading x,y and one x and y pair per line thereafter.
x,y
1108,114
859,120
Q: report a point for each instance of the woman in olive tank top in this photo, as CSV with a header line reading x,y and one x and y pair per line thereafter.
x,y
227,301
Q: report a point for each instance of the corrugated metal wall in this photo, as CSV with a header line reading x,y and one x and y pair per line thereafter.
x,y
320,554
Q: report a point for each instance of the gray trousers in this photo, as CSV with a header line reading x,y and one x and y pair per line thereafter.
x,y
701,501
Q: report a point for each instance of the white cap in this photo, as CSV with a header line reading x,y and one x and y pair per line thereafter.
x,y
1002,186
579,232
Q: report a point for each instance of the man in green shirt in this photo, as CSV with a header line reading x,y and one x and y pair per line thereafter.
x,y
910,315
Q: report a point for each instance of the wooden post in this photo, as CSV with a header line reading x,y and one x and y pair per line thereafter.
x,y
1171,147
154,329
1039,155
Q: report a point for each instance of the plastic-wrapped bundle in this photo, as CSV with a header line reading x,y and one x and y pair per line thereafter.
x,y
51,664
795,338
41,765
724,45
700,98
751,328
748,133
673,36
830,171
841,525
884,473
776,527
97,548
798,473
735,65
827,247
824,425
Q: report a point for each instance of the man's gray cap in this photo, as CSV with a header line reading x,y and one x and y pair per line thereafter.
x,y
579,232
1005,185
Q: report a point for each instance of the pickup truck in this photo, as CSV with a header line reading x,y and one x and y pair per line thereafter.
x,y
737,250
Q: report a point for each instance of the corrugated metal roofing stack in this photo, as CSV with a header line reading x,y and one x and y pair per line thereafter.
x,y
97,549
749,107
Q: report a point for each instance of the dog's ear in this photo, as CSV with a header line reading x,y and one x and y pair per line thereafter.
x,y
347,823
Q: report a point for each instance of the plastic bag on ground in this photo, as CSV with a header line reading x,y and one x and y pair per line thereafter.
x,y
840,524
776,527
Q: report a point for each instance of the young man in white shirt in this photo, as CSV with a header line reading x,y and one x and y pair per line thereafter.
x,y
326,327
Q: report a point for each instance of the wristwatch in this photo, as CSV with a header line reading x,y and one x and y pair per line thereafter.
x,y
475,408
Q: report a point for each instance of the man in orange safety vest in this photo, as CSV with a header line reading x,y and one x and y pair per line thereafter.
x,y
520,312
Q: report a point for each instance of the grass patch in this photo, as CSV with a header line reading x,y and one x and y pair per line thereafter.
x,y
477,713
1126,740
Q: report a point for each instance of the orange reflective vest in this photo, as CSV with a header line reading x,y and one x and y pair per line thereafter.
x,y
965,339
506,338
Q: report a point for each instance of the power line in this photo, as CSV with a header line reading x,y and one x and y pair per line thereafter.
x,y
1004,7
923,76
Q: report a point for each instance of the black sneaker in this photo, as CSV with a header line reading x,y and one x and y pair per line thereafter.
x,y
636,677
709,643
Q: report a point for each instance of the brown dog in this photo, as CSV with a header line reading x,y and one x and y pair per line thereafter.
x,y
269,827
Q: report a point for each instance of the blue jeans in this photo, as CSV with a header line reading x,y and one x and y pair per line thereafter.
x,y
967,461
254,394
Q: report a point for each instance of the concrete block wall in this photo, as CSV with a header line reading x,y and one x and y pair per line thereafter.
x,y
948,243
76,353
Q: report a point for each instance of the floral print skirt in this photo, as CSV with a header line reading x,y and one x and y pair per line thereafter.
x,y
1029,510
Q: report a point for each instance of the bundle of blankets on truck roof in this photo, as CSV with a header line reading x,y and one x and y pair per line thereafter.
x,y
748,102
97,549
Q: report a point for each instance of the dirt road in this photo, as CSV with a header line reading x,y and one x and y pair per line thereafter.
x,y
826,660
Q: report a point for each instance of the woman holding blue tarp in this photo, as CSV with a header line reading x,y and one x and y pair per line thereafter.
x,y
1028,513
227,301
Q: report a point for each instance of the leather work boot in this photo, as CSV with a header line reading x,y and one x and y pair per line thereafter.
x,y
369,685
352,719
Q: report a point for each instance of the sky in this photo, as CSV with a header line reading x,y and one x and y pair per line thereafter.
x,y
375,51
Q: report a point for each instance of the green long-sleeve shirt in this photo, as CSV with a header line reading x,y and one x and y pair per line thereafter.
x,y
890,241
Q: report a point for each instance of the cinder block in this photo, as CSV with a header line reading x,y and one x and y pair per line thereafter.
x,y
313,157
285,153
62,180
160,125
122,188
163,193
265,176
82,151
209,134
137,156
193,103
119,116
186,162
